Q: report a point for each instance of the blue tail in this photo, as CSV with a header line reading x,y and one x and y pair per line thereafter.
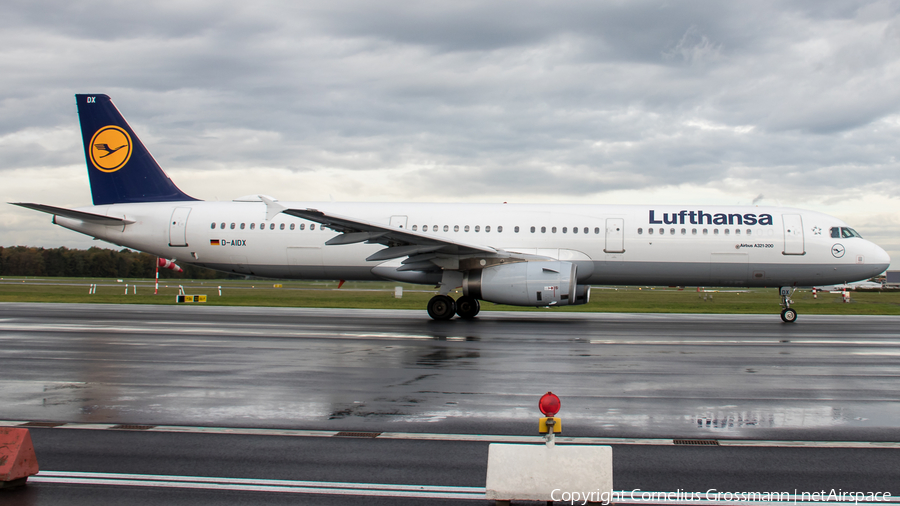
x,y
120,167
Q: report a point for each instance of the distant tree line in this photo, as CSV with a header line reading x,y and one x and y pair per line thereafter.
x,y
92,263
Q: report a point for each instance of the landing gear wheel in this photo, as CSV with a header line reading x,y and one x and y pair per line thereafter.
x,y
441,307
467,307
788,315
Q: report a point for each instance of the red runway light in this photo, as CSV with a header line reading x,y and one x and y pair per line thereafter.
x,y
549,404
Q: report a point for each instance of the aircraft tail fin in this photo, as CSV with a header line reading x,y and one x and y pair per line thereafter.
x,y
120,168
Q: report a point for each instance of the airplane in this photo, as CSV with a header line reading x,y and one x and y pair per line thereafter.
x,y
516,254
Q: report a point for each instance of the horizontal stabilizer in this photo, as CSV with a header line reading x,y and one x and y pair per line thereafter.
x,y
75,215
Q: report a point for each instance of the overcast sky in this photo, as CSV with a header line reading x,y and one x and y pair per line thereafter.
x,y
652,102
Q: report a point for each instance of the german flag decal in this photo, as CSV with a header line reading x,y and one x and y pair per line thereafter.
x,y
213,242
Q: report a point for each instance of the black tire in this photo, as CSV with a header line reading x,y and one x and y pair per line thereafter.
x,y
788,316
441,307
467,307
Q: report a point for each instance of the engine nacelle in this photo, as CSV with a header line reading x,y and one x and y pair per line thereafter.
x,y
527,284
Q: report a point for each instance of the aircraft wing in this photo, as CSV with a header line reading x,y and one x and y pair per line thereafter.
x,y
77,215
400,242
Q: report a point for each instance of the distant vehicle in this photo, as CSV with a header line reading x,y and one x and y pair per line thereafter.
x,y
864,285
517,254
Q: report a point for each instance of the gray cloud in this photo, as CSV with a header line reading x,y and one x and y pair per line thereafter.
x,y
472,100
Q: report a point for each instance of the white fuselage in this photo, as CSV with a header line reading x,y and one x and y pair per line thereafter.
x,y
610,244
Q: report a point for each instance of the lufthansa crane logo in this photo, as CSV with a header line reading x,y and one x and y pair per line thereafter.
x,y
110,148
838,250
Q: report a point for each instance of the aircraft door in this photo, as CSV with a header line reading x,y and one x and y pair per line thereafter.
x,y
793,234
398,221
615,235
178,227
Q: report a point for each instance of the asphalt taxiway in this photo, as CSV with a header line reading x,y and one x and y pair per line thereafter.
x,y
103,368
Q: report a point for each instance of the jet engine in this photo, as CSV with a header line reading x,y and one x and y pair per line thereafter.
x,y
541,283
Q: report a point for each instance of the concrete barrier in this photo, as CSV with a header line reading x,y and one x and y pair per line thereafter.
x,y
17,458
546,473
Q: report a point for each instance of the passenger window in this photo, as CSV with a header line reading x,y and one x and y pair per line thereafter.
x,y
516,229
715,231
662,231
684,231
585,230
292,226
262,226
434,228
640,231
565,229
672,231
543,230
749,231
242,226
281,226
499,228
727,231
232,226
456,228
252,226
705,231
596,230
487,228
466,228
303,226
446,228
693,231
222,226
737,231
532,230
477,228
650,231
213,226
574,230
415,227
312,226
424,228
553,230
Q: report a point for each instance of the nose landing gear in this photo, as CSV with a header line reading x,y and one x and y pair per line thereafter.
x,y
788,315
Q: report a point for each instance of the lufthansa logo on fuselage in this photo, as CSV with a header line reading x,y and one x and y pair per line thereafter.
x,y
110,148
838,250
684,217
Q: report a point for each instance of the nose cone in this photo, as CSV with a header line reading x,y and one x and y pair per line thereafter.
x,y
878,258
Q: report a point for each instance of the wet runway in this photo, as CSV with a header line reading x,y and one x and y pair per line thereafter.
x,y
619,375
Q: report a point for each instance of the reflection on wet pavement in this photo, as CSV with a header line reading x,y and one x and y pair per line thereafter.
x,y
617,374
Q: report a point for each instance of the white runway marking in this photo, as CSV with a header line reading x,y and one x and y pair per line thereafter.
x,y
638,496
487,438
260,485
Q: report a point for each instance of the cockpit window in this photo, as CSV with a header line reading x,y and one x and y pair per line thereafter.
x,y
847,232
844,232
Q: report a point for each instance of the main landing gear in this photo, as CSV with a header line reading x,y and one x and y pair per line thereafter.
x,y
442,307
788,315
